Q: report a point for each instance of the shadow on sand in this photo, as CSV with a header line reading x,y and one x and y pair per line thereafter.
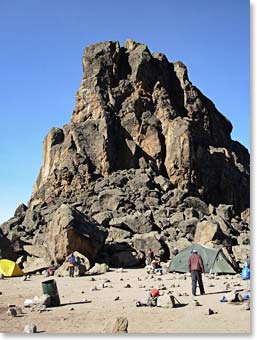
x,y
74,303
223,291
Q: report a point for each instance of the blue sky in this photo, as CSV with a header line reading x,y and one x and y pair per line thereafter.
x,y
42,43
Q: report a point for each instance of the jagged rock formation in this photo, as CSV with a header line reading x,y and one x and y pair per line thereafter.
x,y
146,155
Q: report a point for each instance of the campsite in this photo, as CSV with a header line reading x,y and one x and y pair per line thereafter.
x,y
90,304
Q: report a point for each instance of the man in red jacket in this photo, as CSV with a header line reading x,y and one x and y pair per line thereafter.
x,y
196,268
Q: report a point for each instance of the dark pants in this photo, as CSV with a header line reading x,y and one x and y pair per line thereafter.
x,y
196,276
71,269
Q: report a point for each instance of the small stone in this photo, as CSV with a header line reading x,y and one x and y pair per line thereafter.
x,y
120,270
19,310
117,298
44,299
28,303
41,308
12,311
118,325
247,306
45,273
210,311
127,286
71,308
82,292
93,288
30,328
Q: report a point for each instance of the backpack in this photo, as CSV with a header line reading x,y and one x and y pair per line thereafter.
x,y
245,273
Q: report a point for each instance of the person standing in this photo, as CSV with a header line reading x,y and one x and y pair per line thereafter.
x,y
196,268
72,262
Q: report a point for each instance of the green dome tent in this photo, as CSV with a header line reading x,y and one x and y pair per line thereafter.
x,y
214,260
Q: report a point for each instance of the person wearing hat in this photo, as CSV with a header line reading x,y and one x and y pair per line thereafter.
x,y
196,268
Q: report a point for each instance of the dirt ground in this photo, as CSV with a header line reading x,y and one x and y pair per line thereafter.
x,y
77,316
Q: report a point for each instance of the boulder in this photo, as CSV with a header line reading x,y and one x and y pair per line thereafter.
x,y
188,226
244,238
35,264
20,210
143,242
222,223
37,251
136,223
124,259
180,244
43,300
12,312
225,211
117,234
207,231
140,181
30,328
110,199
118,325
6,247
198,205
163,182
103,218
176,218
241,253
166,301
70,230
99,269
245,215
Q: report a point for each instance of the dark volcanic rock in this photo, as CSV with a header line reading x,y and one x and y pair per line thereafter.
x,y
136,110
71,231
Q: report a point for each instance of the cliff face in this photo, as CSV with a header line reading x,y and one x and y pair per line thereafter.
x,y
146,161
135,109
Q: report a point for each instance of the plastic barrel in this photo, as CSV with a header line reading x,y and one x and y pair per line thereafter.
x,y
49,287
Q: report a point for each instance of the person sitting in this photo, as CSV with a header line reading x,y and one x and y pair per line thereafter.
x,y
156,265
151,300
51,269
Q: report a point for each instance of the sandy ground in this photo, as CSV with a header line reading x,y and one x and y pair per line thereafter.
x,y
76,316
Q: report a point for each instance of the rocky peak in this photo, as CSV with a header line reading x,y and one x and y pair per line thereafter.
x,y
135,109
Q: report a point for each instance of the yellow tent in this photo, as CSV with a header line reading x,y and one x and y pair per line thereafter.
x,y
10,268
